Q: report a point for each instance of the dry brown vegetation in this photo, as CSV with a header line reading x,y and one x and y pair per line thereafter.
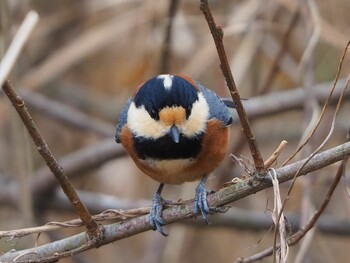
x,y
85,58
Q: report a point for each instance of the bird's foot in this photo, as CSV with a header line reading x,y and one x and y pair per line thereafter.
x,y
200,200
155,216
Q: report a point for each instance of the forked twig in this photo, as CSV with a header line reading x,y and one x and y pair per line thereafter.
x,y
218,34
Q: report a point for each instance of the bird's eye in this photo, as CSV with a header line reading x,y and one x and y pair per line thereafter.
x,y
188,112
154,114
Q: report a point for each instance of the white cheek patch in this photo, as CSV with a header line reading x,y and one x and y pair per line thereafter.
x,y
141,124
196,122
167,80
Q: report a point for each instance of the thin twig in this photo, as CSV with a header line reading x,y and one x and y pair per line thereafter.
x,y
324,106
340,100
275,154
76,164
93,229
218,34
17,44
110,214
258,256
295,238
76,244
302,232
282,256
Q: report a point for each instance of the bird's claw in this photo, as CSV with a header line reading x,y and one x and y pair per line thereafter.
x,y
200,201
155,216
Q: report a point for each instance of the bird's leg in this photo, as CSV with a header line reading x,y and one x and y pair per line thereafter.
x,y
200,200
156,211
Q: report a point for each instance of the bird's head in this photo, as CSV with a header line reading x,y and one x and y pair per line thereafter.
x,y
168,105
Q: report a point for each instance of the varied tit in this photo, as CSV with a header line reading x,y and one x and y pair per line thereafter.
x,y
176,131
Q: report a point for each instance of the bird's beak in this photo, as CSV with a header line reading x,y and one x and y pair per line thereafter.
x,y
174,133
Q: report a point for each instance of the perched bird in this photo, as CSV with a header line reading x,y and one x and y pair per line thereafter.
x,y
176,131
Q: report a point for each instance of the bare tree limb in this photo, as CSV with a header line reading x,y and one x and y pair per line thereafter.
x,y
76,163
235,218
218,34
76,244
93,229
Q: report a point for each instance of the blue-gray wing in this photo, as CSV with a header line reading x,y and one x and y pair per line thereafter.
x,y
217,108
123,118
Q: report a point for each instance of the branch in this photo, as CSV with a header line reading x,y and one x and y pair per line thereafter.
x,y
302,232
325,104
17,44
277,102
218,34
92,227
42,183
76,244
75,164
235,218
67,114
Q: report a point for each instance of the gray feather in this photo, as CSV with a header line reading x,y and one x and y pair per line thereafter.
x,y
217,108
123,118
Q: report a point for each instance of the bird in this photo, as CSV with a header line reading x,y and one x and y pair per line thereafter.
x,y
176,131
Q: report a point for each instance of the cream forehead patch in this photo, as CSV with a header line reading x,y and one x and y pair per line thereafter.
x,y
167,80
